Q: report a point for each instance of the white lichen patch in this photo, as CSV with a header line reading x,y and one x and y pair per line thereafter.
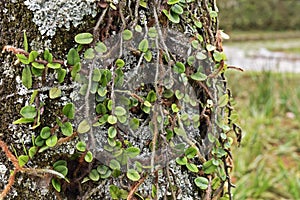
x,y
50,15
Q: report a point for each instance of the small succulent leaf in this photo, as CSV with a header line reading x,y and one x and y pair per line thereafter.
x,y
84,126
88,157
192,167
61,74
73,57
48,56
54,93
32,151
198,76
112,132
54,65
28,112
69,110
61,169
38,65
25,42
114,164
23,159
94,175
84,38
67,129
143,45
32,56
176,8
51,141
127,34
23,59
56,184
201,182
81,146
133,175
181,160
100,47
132,152
60,162
191,152
223,100
89,53
172,2
45,132
27,77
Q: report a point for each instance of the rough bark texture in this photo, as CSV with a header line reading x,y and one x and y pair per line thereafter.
x,y
171,180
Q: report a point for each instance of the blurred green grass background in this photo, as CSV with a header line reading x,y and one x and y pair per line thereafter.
x,y
267,164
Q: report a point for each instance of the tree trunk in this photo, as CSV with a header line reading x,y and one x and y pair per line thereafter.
x,y
153,118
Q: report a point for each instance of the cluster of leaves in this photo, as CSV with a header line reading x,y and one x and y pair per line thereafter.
x,y
101,82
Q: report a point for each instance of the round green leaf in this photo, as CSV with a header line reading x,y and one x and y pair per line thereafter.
x,y
148,56
23,159
51,141
38,65
89,53
119,111
143,45
56,184
120,62
67,129
88,157
210,47
198,76
112,119
102,169
100,47
73,57
27,77
94,175
138,28
200,56
81,146
48,56
32,151
60,162
134,123
181,160
208,167
54,65
61,169
201,182
23,59
190,152
192,167
45,132
127,34
39,141
83,127
171,2
133,175
152,32
69,110
132,152
84,38
54,93
179,67
177,9
112,132
32,56
28,112
114,164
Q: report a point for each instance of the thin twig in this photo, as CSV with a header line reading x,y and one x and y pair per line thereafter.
x,y
135,187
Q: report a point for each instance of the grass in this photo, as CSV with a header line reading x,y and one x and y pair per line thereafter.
x,y
267,164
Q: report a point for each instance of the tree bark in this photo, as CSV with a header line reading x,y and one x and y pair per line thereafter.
x,y
161,131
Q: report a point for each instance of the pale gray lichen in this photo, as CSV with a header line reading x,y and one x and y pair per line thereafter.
x,y
50,15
